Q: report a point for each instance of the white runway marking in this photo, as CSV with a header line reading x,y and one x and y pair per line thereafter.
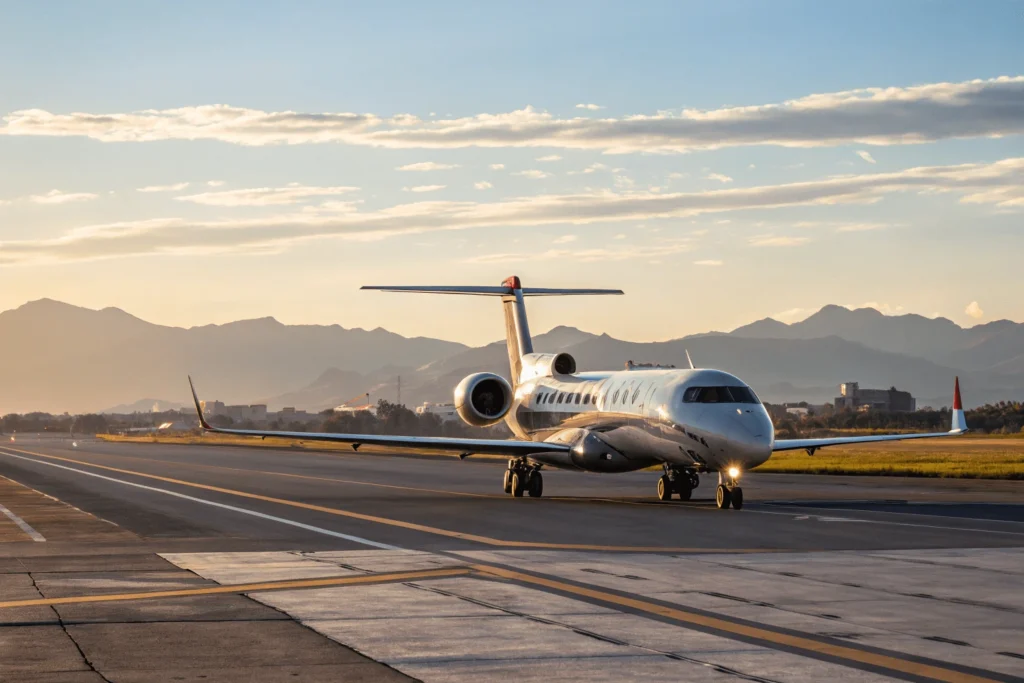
x,y
23,525
223,506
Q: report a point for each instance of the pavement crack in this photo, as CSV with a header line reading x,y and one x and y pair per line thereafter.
x,y
64,628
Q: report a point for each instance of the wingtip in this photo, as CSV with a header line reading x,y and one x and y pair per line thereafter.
x,y
199,408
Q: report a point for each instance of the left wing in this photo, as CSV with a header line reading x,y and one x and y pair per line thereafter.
x,y
958,427
437,444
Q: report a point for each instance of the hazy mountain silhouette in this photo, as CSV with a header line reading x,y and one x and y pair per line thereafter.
x,y
56,357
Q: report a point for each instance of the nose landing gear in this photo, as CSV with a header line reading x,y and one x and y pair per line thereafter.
x,y
523,477
729,492
678,480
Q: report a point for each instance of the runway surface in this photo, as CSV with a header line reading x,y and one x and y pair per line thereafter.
x,y
861,578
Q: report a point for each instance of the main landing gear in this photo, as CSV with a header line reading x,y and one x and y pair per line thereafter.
x,y
679,480
729,491
523,477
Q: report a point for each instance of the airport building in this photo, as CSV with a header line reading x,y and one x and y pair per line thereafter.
x,y
444,411
241,413
852,397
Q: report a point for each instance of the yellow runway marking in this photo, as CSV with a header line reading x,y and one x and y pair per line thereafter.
x,y
784,639
412,526
264,586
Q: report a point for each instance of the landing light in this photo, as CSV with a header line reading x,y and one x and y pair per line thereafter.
x,y
734,472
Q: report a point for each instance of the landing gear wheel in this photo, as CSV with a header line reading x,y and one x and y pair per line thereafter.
x,y
723,497
737,498
664,488
694,480
536,485
684,491
517,485
507,485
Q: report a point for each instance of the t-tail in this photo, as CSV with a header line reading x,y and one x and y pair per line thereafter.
x,y
512,293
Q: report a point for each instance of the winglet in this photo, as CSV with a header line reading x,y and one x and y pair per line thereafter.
x,y
688,359
959,423
199,408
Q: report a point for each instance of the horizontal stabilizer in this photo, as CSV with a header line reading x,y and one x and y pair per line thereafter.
x,y
491,291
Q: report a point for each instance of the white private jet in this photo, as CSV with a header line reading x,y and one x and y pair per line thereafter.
x,y
689,421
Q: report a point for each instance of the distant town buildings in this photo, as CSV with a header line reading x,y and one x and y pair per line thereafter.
x,y
444,411
355,410
852,397
256,413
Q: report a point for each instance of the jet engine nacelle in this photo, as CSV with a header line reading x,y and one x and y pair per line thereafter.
x,y
482,399
547,365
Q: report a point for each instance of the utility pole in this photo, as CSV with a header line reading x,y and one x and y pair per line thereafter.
x,y
399,390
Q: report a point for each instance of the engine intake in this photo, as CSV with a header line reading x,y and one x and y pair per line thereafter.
x,y
483,399
547,365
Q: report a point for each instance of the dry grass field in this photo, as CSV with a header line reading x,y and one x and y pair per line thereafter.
x,y
974,457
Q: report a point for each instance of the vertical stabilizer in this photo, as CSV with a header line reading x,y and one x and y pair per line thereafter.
x,y
517,329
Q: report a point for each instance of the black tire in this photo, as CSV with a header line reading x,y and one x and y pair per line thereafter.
x,y
685,492
517,485
507,485
664,488
536,486
694,481
737,498
723,497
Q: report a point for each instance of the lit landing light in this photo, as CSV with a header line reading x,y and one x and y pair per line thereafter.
x,y
734,472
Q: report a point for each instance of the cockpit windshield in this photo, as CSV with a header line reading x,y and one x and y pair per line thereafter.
x,y
719,395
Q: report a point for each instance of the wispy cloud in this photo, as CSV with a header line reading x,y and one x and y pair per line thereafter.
x,y
719,177
623,253
872,116
164,188
497,167
214,183
264,196
792,315
590,107
550,157
427,166
58,197
483,185
1000,182
882,307
425,188
533,173
866,156
565,239
708,262
777,241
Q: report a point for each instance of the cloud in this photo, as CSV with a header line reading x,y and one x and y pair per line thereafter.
x,y
871,116
425,188
497,167
719,177
163,188
593,168
974,310
883,308
866,156
426,166
792,315
58,197
1000,182
565,239
533,173
264,196
214,183
590,107
861,227
483,185
708,262
777,241
624,253
550,157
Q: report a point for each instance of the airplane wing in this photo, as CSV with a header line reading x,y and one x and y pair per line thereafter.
x,y
434,444
958,427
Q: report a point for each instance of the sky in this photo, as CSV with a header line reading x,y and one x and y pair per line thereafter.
x,y
203,162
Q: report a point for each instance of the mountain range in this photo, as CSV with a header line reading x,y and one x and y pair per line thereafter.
x,y
56,357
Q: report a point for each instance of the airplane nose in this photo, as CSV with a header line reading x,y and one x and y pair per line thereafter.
x,y
752,431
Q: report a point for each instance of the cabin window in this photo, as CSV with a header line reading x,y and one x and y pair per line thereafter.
x,y
586,398
577,397
561,397
615,396
636,394
625,395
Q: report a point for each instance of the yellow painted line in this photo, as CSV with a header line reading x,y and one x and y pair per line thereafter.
x,y
412,526
784,639
239,588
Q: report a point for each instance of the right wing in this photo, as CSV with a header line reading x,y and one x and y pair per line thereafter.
x,y
437,444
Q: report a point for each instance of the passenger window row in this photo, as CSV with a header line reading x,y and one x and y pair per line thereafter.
x,y
624,395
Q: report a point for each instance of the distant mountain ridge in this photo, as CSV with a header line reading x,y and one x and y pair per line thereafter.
x,y
56,357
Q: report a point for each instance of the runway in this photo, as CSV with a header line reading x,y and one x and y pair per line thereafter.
x,y
853,577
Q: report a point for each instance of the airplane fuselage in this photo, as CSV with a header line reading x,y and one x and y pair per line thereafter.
x,y
705,419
